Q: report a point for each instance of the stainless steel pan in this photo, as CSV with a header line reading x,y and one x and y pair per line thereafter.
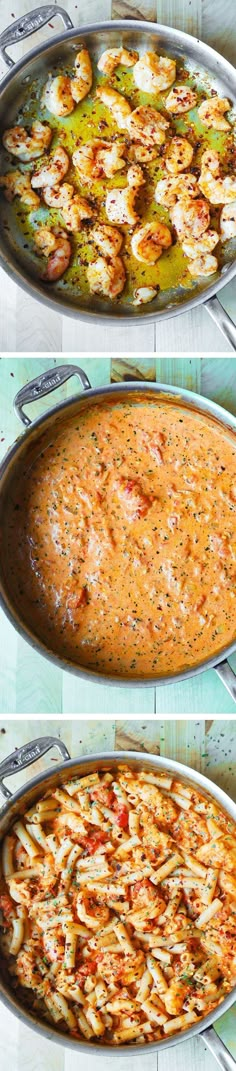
x,y
16,804
201,59
19,452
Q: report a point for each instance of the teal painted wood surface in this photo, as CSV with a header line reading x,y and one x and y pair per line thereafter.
x,y
205,745
30,684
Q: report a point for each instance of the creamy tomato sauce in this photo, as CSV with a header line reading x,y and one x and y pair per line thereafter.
x,y
123,556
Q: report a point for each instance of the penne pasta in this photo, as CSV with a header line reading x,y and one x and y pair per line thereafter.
x,y
209,912
119,906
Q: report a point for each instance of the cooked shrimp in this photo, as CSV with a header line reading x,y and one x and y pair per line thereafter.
x,y
142,154
55,245
218,190
143,295
180,99
171,189
194,247
135,177
228,222
190,218
120,202
51,173
108,239
154,73
58,196
203,265
60,94
149,241
106,277
110,59
74,208
81,84
147,125
17,185
27,146
75,211
99,158
179,155
211,113
45,239
57,95
117,104
94,916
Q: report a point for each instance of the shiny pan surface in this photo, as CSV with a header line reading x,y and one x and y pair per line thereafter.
x,y
202,62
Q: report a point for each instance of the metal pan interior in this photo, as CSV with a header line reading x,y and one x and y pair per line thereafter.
x,y
71,292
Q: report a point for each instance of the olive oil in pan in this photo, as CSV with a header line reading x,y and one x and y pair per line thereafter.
x,y
90,120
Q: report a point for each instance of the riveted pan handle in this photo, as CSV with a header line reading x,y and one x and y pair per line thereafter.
x,y
46,383
28,24
27,754
218,1049
228,677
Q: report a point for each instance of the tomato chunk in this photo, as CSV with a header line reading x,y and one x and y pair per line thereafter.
x,y
94,842
6,906
122,817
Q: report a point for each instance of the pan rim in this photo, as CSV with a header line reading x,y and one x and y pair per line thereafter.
x,y
31,287
212,408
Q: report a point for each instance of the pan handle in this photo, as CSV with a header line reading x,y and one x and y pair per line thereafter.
x,y
26,754
46,383
222,319
228,677
28,24
218,1049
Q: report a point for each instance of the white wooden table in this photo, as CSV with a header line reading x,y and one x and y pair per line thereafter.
x,y
26,325
208,746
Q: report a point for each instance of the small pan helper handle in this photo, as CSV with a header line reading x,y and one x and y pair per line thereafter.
x,y
218,1049
222,319
228,677
46,383
28,24
27,754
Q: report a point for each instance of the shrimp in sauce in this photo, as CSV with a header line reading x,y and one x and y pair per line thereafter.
x,y
98,159
111,59
51,173
180,99
107,277
148,241
117,104
154,73
120,202
15,184
217,189
147,125
27,146
108,239
212,113
55,245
